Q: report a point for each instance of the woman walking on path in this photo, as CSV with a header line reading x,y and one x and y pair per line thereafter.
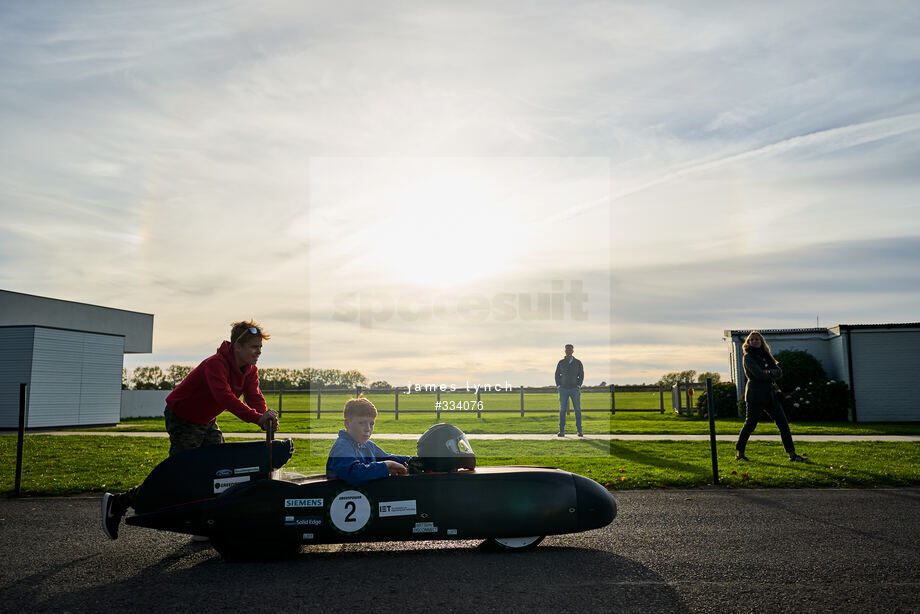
x,y
762,371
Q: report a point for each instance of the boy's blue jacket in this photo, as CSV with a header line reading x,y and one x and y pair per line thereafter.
x,y
358,463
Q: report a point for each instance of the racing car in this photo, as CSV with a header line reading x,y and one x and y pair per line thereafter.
x,y
234,494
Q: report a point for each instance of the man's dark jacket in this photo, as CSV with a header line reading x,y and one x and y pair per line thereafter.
x,y
569,375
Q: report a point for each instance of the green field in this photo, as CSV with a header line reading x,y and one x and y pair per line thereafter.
x,y
64,465
426,402
417,413
61,465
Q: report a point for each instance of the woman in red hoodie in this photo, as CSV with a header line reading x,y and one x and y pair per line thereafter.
x,y
216,385
192,408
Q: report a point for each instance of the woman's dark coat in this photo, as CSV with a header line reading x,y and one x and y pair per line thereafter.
x,y
761,372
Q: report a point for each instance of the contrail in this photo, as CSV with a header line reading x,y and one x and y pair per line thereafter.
x,y
823,142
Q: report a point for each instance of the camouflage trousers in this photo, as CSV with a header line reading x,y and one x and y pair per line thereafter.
x,y
184,435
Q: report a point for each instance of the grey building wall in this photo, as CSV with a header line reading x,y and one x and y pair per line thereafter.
x,y
837,366
17,309
885,368
70,354
74,377
15,368
815,345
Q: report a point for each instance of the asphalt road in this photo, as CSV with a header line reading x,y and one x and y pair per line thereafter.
x,y
667,551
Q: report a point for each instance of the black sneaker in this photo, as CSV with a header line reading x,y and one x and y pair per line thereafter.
x,y
795,458
742,458
560,434
113,508
579,434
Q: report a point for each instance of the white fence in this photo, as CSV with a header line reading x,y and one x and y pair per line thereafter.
x,y
143,403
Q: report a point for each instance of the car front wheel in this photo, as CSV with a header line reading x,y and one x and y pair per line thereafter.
x,y
515,543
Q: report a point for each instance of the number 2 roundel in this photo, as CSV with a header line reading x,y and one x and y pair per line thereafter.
x,y
350,511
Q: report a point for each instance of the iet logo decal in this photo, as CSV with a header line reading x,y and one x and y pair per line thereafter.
x,y
397,508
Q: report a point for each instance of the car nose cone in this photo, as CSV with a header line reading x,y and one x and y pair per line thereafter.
x,y
596,506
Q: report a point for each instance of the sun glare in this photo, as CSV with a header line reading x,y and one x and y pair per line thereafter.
x,y
445,230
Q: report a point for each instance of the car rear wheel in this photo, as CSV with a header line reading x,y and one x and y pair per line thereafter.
x,y
515,543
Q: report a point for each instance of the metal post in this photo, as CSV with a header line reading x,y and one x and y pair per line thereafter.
x,y
522,401
478,411
396,411
437,405
712,432
280,399
22,435
660,397
268,441
613,402
319,403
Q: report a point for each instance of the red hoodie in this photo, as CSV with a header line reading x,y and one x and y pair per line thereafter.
x,y
215,385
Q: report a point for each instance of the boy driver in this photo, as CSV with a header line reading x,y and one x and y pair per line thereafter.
x,y
354,457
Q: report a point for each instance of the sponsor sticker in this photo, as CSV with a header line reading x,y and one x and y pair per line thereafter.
x,y
451,531
307,536
245,470
222,484
350,511
303,503
397,508
224,473
303,521
424,527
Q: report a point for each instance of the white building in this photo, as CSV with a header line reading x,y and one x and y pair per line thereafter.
x,y
879,362
71,357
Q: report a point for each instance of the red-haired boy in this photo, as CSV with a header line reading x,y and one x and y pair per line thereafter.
x,y
354,458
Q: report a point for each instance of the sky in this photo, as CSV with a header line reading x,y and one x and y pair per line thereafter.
x,y
443,192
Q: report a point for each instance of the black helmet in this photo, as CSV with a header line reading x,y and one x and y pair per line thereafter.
x,y
444,447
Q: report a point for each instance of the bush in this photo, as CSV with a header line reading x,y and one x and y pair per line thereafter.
x,y
817,401
724,400
799,368
807,394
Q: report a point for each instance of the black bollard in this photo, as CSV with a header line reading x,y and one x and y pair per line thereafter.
x,y
22,435
712,431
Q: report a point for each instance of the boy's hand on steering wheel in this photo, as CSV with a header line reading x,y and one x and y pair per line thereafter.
x,y
396,468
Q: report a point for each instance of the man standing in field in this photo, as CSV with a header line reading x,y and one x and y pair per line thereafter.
x,y
570,374
192,408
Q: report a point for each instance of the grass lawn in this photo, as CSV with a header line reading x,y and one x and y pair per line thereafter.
x,y
596,422
63,465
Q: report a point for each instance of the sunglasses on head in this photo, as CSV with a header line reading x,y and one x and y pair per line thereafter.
x,y
251,330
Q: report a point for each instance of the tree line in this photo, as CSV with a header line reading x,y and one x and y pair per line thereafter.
x,y
275,378
270,378
669,379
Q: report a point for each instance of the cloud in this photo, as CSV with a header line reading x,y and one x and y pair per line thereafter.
x,y
849,282
166,158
